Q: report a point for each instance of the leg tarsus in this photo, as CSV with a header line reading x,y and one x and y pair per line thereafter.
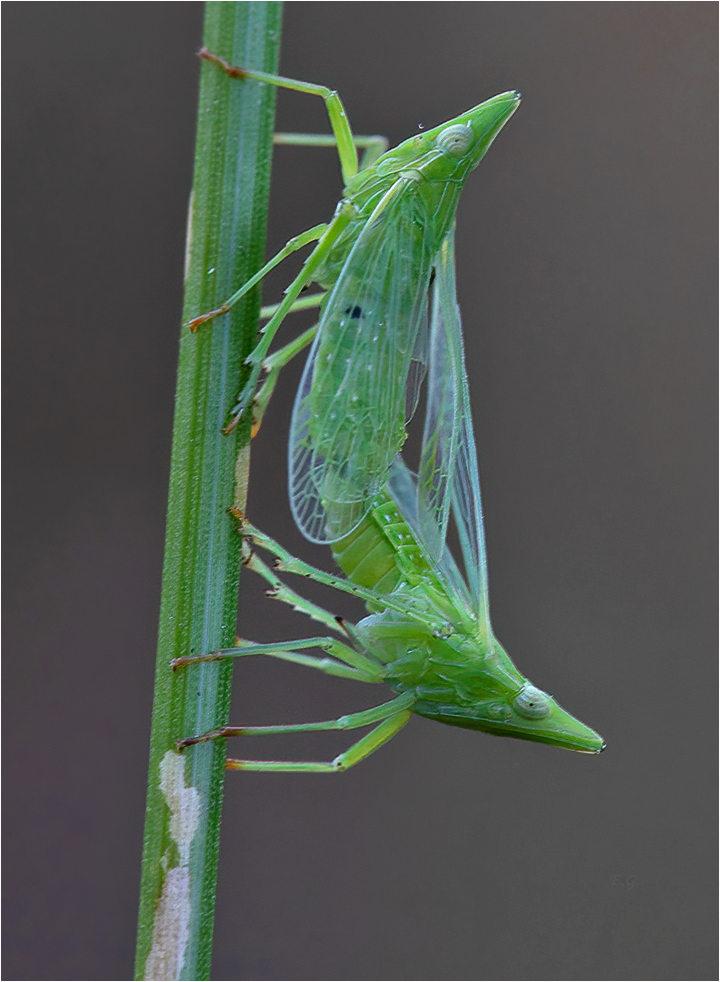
x,y
201,319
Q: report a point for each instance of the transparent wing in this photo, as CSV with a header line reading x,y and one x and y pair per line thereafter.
x,y
448,475
467,510
418,369
442,411
364,370
403,485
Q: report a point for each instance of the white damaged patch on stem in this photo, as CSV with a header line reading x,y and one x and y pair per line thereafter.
x,y
171,930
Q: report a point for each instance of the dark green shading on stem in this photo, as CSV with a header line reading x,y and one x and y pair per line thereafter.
x,y
202,550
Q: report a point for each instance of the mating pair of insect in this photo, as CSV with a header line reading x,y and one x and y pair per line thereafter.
x,y
388,318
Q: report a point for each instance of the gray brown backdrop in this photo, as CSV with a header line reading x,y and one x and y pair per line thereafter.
x,y
586,275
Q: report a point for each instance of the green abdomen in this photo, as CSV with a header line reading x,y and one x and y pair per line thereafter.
x,y
382,551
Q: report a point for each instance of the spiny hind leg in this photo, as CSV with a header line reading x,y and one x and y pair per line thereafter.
x,y
287,563
355,656
282,592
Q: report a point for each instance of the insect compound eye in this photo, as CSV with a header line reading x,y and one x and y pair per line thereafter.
x,y
455,140
532,703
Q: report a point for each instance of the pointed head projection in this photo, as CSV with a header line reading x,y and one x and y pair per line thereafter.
x,y
490,694
466,139
450,151
534,715
529,714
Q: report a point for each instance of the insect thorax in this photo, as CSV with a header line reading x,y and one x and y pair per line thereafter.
x,y
459,669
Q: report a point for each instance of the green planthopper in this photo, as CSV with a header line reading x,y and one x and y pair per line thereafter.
x,y
375,260
427,633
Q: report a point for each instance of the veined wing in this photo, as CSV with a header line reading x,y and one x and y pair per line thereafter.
x,y
448,475
403,486
363,371
442,411
467,510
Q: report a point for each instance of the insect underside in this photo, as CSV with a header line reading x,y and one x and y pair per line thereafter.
x,y
388,322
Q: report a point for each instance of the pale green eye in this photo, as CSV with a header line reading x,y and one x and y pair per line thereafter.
x,y
532,703
455,140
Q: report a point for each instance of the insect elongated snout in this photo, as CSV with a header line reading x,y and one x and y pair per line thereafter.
x,y
486,121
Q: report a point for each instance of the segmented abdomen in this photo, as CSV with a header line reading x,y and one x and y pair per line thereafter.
x,y
382,551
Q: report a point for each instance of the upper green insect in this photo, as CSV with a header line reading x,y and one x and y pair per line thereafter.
x,y
375,259
362,377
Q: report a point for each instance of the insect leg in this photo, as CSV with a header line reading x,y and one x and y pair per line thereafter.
x,y
335,109
374,146
356,665
302,303
288,563
280,591
292,245
341,219
272,365
353,755
349,722
274,362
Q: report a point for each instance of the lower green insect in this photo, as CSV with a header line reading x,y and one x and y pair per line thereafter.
x,y
427,634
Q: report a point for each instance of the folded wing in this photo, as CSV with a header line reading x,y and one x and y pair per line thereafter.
x,y
364,370
448,484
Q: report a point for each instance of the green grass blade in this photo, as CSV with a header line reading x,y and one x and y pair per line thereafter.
x,y
226,244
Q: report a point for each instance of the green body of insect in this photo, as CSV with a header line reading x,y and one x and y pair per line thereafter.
x,y
375,259
428,633
352,405
436,649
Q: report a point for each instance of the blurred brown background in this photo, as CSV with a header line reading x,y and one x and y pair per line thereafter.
x,y
587,279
